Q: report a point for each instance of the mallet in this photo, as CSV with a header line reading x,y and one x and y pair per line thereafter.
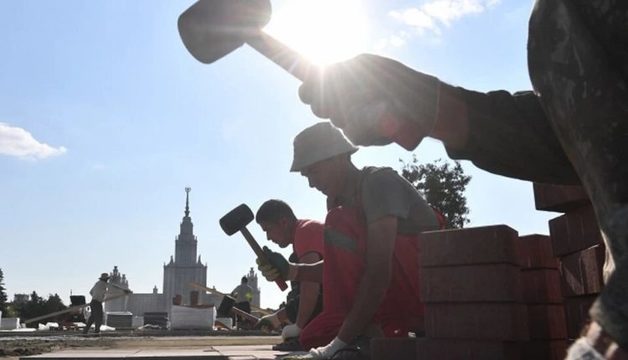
x,y
236,220
211,29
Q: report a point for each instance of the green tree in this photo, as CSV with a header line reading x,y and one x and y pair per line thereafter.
x,y
443,187
3,294
37,306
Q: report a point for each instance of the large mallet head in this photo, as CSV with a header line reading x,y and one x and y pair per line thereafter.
x,y
211,29
237,220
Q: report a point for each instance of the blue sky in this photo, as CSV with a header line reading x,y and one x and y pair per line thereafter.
x,y
105,119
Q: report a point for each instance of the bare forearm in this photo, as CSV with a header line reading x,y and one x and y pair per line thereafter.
x,y
306,272
370,294
308,298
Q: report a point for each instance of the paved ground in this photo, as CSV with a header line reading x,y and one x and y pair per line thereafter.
x,y
133,346
226,352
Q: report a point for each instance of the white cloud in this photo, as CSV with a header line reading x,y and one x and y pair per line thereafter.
x,y
432,15
15,141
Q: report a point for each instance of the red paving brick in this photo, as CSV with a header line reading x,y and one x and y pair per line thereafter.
x,y
541,286
559,198
545,350
577,313
574,231
547,322
535,252
472,283
581,273
478,321
448,349
393,348
470,246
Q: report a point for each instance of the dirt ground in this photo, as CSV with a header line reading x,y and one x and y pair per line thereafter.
x,y
12,347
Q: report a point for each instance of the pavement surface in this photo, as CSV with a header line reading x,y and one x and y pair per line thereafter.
x,y
110,346
226,352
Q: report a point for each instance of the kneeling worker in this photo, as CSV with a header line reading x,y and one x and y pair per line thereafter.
x,y
282,227
370,275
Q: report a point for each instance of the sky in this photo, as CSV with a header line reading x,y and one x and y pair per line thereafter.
x,y
105,118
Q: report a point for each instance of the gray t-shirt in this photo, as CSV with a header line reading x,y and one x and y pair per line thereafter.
x,y
385,193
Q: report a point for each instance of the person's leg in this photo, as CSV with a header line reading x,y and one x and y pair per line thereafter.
x,y
582,85
98,316
89,323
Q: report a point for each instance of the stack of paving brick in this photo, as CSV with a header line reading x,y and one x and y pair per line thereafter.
x,y
471,284
540,278
576,241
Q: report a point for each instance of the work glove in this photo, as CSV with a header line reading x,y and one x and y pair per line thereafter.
x,y
276,267
327,351
359,96
270,321
290,331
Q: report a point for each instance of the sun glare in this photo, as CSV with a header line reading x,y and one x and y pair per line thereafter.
x,y
324,31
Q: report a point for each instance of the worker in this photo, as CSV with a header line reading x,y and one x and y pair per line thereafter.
x,y
304,301
370,274
98,292
243,294
573,129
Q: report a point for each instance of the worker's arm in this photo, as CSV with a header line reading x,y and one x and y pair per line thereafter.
x,y
308,292
375,280
277,266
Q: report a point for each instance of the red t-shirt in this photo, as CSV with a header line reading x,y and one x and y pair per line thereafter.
x,y
308,237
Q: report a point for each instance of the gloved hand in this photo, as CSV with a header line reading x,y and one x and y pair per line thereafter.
x,y
327,351
277,265
290,331
271,321
363,94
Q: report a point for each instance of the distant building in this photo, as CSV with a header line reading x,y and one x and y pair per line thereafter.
x,y
181,271
21,298
252,281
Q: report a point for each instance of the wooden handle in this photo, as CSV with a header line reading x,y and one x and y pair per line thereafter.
x,y
244,314
281,54
262,255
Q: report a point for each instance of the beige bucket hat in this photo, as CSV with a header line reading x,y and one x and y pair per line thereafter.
x,y
319,142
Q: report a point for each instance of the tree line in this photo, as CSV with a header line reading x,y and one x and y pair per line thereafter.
x,y
33,307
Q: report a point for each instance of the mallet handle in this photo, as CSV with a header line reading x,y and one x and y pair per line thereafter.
x,y
261,254
280,53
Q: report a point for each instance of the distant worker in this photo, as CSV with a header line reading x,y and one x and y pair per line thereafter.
x,y
243,294
304,302
370,273
573,129
97,292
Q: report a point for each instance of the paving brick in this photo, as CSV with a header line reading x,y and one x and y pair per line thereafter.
x,y
478,321
393,348
581,272
471,283
451,349
546,350
547,322
577,314
535,252
559,198
469,246
574,231
541,286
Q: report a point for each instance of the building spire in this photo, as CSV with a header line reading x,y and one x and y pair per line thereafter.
x,y
187,201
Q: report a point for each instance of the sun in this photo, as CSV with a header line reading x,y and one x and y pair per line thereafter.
x,y
324,31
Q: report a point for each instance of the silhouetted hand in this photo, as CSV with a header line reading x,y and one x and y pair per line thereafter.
x,y
356,94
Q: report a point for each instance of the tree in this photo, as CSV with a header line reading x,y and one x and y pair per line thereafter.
x,y
443,187
3,294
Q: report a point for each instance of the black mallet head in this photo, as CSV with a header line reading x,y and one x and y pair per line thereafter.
x,y
236,219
